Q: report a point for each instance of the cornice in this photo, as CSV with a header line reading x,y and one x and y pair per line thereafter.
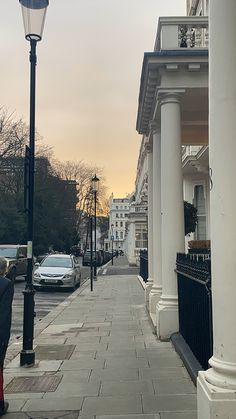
x,y
153,65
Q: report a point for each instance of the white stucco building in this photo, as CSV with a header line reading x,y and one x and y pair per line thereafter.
x,y
118,215
186,117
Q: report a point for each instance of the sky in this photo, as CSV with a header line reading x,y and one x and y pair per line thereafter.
x,y
88,76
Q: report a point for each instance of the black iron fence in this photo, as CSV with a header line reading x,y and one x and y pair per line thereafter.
x,y
195,305
143,270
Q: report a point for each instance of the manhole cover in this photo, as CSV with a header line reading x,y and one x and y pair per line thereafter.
x,y
54,352
37,384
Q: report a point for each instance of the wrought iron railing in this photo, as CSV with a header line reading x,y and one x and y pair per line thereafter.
x,y
195,305
143,269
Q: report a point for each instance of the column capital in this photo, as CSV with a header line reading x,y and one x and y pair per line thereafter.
x,y
170,96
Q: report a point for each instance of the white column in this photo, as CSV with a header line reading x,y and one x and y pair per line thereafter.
x,y
131,244
172,208
149,283
217,386
156,290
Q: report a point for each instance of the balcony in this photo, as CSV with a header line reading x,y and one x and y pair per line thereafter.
x,y
182,32
190,151
179,63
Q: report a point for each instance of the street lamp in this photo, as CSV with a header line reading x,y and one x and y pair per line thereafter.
x,y
95,182
112,240
33,12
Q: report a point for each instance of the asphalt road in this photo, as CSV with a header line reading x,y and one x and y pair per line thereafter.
x,y
45,301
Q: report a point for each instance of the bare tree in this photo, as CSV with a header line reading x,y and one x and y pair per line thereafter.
x,y
82,173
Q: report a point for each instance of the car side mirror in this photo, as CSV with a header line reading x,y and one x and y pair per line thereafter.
x,y
21,256
37,264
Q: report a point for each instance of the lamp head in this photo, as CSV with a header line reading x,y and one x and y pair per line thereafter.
x,y
34,13
95,181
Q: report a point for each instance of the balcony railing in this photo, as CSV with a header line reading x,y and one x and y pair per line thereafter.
x,y
143,270
195,305
139,209
190,151
182,32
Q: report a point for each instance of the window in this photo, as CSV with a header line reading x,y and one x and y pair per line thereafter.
x,y
200,204
141,235
117,235
117,215
116,223
121,223
121,235
121,215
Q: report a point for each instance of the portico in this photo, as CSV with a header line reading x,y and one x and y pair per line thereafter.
x,y
173,111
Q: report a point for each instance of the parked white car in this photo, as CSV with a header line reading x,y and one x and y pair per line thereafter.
x,y
57,270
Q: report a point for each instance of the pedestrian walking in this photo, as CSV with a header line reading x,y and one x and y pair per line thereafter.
x,y
6,297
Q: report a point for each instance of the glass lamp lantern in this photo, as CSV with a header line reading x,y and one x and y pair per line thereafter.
x,y
34,13
95,181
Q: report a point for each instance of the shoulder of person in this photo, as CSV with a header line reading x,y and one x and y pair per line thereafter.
x,y
4,284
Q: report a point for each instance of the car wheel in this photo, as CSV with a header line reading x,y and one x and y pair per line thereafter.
x,y
73,288
12,275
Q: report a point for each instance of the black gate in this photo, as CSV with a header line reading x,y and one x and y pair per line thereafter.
x,y
143,270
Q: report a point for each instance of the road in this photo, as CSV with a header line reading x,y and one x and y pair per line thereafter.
x,y
45,301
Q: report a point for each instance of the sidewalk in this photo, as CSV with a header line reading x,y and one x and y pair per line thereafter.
x,y
97,356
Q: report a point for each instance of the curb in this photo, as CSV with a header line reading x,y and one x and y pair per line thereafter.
x,y
16,343
144,285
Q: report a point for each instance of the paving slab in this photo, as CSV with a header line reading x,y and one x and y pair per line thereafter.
x,y
116,353
111,405
179,415
53,404
162,372
114,374
83,363
73,389
174,386
119,388
45,415
156,416
179,403
129,362
60,328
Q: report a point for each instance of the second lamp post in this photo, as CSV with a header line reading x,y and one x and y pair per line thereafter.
x,y
95,182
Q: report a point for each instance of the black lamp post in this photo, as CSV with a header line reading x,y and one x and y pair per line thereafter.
x,y
95,182
34,13
112,240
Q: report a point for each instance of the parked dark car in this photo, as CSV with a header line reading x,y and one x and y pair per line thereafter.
x,y
16,256
87,258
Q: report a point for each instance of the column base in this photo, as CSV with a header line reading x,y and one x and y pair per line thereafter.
x,y
214,402
154,298
149,285
167,317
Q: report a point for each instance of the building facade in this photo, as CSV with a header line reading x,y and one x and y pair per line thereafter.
x,y
118,215
186,116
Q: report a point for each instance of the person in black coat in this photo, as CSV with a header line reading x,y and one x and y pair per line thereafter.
x,y
6,298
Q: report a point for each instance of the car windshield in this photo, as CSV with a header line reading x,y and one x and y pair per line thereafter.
x,y
8,252
57,262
